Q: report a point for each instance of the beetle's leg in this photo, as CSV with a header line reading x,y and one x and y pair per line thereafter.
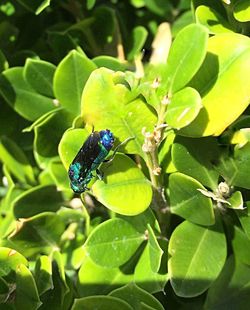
x,y
99,174
116,150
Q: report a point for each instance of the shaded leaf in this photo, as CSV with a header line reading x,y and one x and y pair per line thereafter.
x,y
100,302
94,279
37,200
194,157
136,296
197,257
26,290
231,289
16,161
40,233
22,97
39,74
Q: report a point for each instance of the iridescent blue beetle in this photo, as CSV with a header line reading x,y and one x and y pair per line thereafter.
x,y
93,152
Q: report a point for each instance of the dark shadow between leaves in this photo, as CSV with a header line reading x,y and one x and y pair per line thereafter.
x,y
203,150
7,91
222,293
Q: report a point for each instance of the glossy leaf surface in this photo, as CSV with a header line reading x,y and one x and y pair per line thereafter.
x,y
183,62
70,77
227,56
183,108
124,189
107,242
106,103
187,202
197,256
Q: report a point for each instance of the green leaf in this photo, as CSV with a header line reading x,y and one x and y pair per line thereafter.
x,y
165,158
231,289
182,21
36,7
109,63
241,246
37,200
226,58
100,302
48,134
43,274
71,142
7,222
212,19
59,175
22,97
194,157
60,42
59,297
159,7
141,221
26,290
3,62
145,277
15,160
244,217
113,242
10,260
90,4
40,233
234,169
197,257
39,75
139,36
183,108
124,189
155,251
236,201
241,137
241,10
70,77
94,279
57,257
136,296
185,56
187,202
106,103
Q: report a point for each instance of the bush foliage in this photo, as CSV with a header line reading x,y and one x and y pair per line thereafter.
x,y
168,226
